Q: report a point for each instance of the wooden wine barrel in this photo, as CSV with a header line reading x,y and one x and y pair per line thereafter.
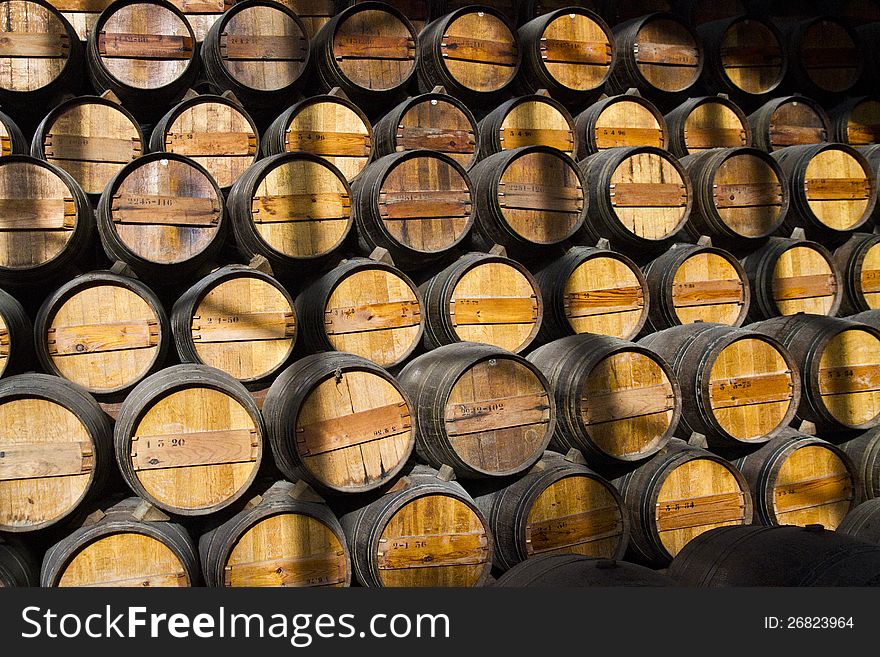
x,y
679,494
839,362
856,121
569,52
57,451
789,276
189,440
863,522
423,532
12,140
294,209
481,410
593,290
162,215
314,14
620,121
559,507
330,126
202,14
577,571
215,131
16,336
833,189
859,262
238,320
616,401
91,138
369,51
864,451
789,121
483,298
125,548
46,218
796,479
417,204
102,331
81,14
700,12
777,556
745,57
528,121
362,307
640,198
340,422
18,566
825,57
528,199
693,283
707,122
434,120
857,12
259,51
144,52
473,52
741,195
41,52
739,387
285,537
657,54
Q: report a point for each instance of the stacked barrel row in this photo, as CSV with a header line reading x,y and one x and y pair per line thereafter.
x,y
353,300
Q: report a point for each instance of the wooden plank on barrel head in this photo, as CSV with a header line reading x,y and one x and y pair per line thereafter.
x,y
203,6
503,413
424,204
283,208
102,337
790,135
34,45
480,51
707,293
742,56
574,529
629,136
144,46
813,492
353,429
159,210
37,214
321,569
39,460
715,137
541,198
161,580
558,51
837,189
848,379
243,326
81,6
870,281
328,143
667,54
751,389
698,511
805,287
363,46
263,47
625,403
432,550
604,302
372,317
818,57
747,195
113,150
493,310
212,144
436,139
648,195
562,140
186,449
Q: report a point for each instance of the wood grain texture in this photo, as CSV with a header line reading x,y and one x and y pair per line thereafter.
x,y
629,123
34,46
849,377
576,51
603,295
804,281
748,194
708,287
667,55
838,189
479,51
813,486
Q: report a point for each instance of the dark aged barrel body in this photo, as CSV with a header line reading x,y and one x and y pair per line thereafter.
x,y
285,537
569,52
424,532
839,362
802,480
679,494
18,566
696,284
162,214
481,410
483,298
789,121
616,401
859,262
417,204
363,307
558,507
433,120
102,331
741,195
699,12
863,522
825,57
777,556
528,121
707,122
620,121
16,336
125,548
573,570
238,320
528,199
864,451
739,387
340,422
57,447
259,50
12,139
593,290
869,317
189,440
792,276
856,121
